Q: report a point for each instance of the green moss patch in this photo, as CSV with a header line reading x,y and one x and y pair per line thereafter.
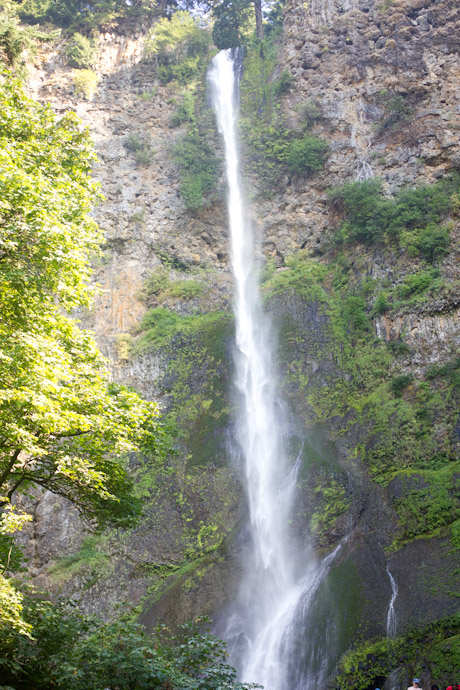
x,y
435,648
411,218
351,381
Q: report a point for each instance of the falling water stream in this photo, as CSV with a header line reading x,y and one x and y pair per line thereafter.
x,y
392,621
280,577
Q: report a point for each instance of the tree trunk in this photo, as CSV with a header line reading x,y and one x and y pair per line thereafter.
x,y
259,23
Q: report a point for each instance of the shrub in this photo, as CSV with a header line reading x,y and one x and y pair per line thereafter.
x,y
283,83
419,282
431,242
272,147
310,112
80,52
381,304
398,347
305,155
185,289
185,112
15,40
364,209
199,168
76,651
354,313
85,82
160,325
160,286
411,217
419,207
400,383
397,112
157,282
180,45
141,147
449,371
183,73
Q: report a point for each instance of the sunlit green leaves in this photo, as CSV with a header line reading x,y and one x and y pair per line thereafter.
x,y
63,426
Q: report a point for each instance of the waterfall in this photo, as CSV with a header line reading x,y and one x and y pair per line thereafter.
x,y
391,614
280,578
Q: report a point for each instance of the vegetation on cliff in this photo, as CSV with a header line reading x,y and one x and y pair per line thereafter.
x,y
76,652
434,648
406,422
64,425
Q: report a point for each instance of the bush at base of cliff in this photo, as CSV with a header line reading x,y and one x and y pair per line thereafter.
x,y
435,649
72,651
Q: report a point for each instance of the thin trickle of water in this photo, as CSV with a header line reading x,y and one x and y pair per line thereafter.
x,y
280,580
391,614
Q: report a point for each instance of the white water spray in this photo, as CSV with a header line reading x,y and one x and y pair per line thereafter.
x,y
279,580
391,614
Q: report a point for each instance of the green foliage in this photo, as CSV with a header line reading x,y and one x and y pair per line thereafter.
x,y
354,314
397,113
411,218
400,383
310,112
17,41
75,15
431,243
157,283
141,147
63,424
11,607
185,289
435,648
331,501
80,52
424,510
85,82
381,304
196,375
417,283
77,652
90,17
181,45
359,385
449,371
305,155
185,112
11,521
304,277
231,19
271,148
364,209
398,347
159,326
91,557
160,287
198,166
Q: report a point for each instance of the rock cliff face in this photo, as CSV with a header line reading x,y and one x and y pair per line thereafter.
x,y
383,78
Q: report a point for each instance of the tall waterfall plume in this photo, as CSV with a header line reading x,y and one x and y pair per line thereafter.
x,y
280,579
